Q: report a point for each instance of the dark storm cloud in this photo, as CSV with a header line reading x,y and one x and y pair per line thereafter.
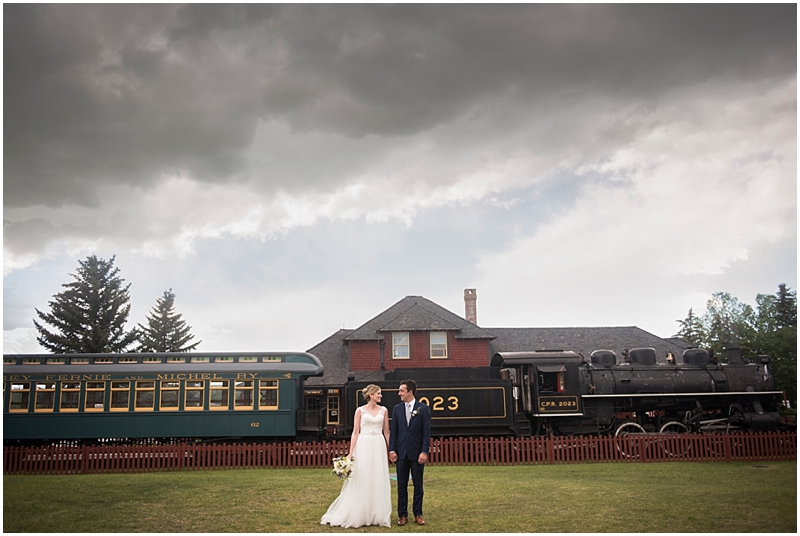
x,y
133,93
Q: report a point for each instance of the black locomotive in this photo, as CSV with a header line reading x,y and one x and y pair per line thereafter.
x,y
562,393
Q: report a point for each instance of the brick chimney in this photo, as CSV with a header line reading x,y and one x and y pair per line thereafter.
x,y
470,305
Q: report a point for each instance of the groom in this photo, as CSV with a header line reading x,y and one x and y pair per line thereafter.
x,y
409,445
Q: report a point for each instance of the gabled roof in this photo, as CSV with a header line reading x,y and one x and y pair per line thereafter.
x,y
582,340
333,355
415,313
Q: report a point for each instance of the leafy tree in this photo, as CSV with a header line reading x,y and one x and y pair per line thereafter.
x,y
89,316
776,336
691,329
165,330
727,322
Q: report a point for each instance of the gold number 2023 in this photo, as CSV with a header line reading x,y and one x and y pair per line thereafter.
x,y
439,403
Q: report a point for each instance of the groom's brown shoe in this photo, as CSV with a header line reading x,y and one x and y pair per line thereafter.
x,y
402,521
419,520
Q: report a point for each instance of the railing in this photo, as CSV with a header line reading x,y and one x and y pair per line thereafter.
x,y
444,451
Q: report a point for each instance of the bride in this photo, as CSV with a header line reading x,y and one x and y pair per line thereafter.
x,y
366,497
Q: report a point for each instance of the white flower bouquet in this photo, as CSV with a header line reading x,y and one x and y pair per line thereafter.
x,y
343,467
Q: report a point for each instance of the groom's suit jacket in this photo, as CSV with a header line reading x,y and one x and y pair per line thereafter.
x,y
408,440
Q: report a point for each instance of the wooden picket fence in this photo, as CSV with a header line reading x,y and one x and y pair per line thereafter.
x,y
444,451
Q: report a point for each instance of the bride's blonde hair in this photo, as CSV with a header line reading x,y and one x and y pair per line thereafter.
x,y
370,390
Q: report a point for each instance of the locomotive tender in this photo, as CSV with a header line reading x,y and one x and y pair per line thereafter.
x,y
57,397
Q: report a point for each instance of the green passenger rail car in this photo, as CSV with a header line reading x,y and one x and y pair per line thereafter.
x,y
207,396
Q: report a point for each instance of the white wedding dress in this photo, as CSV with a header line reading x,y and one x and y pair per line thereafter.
x,y
366,498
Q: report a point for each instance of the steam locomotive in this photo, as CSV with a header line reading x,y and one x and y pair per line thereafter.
x,y
562,393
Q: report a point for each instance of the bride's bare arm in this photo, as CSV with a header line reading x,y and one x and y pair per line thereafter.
x,y
356,431
386,426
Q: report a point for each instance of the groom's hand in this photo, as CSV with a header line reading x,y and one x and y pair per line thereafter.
x,y
423,458
392,457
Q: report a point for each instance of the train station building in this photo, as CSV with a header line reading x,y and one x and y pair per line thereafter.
x,y
417,333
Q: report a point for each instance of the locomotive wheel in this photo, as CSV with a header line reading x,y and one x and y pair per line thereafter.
x,y
625,433
670,445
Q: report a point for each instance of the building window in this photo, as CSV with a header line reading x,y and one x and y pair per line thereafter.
x,y
400,345
438,345
333,409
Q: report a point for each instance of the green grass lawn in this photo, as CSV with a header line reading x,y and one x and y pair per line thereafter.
x,y
659,497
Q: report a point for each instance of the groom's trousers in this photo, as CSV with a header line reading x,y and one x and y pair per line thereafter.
x,y
404,466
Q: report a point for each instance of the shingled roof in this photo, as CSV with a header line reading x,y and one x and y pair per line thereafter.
x,y
415,313
333,354
582,340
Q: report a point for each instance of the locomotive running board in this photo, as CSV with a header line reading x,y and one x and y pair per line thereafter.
x,y
651,395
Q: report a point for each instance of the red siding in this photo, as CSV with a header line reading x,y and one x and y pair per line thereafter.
x,y
366,355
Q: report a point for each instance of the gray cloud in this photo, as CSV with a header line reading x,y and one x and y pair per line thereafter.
x,y
132,94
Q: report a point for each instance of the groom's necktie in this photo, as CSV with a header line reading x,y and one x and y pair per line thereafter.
x,y
408,414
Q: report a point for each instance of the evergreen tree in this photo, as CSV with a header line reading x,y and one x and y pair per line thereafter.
x,y
165,331
691,329
89,316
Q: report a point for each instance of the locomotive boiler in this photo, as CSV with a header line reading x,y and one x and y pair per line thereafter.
x,y
562,393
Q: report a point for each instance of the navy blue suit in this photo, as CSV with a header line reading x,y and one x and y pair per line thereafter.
x,y
408,441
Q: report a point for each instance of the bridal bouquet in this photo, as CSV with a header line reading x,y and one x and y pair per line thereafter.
x,y
343,467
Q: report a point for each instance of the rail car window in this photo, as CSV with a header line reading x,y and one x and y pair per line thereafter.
x,y
202,359
95,396
145,396
218,395
20,396
45,396
551,382
170,393
400,345
438,345
120,396
79,361
226,359
193,395
243,394
70,397
127,360
151,360
268,394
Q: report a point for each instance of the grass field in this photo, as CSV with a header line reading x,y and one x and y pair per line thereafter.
x,y
659,497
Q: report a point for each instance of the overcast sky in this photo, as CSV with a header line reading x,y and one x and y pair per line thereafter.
x,y
292,170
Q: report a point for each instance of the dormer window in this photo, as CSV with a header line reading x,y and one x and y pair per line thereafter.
x,y
400,348
438,345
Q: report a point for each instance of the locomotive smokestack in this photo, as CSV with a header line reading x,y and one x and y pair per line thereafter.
x,y
471,305
734,355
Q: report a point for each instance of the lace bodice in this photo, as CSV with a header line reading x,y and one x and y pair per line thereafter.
x,y
372,424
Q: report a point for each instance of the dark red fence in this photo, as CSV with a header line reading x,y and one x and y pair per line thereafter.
x,y
444,451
